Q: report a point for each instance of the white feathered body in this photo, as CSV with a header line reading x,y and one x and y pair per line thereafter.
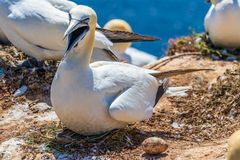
x,y
138,57
34,26
131,55
37,26
222,22
104,97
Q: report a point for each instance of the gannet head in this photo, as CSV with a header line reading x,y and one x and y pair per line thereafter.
x,y
119,25
82,20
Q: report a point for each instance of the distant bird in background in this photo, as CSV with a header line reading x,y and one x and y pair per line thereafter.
x,y
222,23
37,27
123,50
119,25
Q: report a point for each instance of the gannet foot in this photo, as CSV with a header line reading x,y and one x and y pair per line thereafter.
x,y
68,136
31,63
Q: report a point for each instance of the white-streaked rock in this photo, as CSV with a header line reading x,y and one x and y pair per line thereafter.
x,y
11,149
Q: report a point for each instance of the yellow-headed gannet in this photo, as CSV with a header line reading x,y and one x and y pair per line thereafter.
x,y
123,50
222,23
98,97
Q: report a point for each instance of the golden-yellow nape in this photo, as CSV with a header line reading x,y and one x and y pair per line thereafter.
x,y
119,25
215,2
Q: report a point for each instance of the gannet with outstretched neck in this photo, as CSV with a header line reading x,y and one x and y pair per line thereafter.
x,y
222,23
123,50
94,98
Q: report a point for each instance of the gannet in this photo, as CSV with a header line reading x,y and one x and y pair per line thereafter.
x,y
36,27
222,23
123,50
94,98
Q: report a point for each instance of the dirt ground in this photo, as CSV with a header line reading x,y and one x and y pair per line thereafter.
x,y
28,124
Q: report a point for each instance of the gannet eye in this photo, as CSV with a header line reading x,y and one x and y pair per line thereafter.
x,y
86,20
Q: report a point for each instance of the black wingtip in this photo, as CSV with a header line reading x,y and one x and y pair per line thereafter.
x,y
162,89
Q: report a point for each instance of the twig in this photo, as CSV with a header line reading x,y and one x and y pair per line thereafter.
x,y
171,73
162,62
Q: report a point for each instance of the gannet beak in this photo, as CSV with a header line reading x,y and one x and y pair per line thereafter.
x,y
72,26
75,32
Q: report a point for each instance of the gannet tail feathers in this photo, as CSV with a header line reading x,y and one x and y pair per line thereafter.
x,y
162,89
171,73
123,36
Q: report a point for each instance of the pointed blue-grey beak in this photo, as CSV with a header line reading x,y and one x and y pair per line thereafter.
x,y
75,32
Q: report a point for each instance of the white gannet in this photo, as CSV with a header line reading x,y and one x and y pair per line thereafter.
x,y
98,97
63,5
37,27
222,23
123,50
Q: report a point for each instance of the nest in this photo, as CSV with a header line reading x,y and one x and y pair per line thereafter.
x,y
201,43
210,112
13,77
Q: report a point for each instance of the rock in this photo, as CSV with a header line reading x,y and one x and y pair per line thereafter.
x,y
40,107
44,156
11,149
234,147
198,41
154,145
178,91
176,125
21,91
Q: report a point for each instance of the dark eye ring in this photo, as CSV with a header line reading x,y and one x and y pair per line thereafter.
x,y
86,20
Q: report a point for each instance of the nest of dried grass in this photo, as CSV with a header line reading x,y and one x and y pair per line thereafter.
x,y
13,77
210,112
201,43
